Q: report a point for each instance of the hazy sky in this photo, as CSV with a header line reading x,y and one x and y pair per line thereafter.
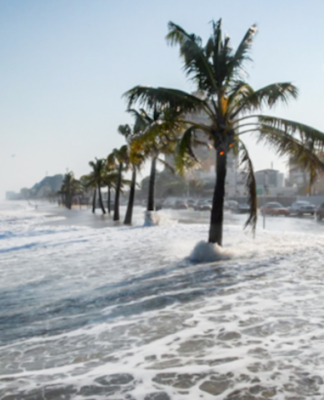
x,y
64,65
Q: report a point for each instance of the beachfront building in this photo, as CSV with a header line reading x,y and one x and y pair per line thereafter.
x,y
270,182
297,175
299,178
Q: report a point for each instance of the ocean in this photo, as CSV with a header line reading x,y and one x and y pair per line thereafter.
x,y
89,310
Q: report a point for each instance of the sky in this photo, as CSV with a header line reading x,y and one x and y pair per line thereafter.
x,y
64,65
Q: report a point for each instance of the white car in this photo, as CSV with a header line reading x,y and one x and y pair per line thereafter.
x,y
302,207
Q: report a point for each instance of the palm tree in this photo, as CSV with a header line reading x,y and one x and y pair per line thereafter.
x,y
118,158
155,134
110,180
84,184
135,160
96,180
90,186
70,187
231,105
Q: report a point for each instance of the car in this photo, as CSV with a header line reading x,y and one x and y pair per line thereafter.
x,y
191,202
274,208
320,212
230,204
202,205
302,207
242,209
180,205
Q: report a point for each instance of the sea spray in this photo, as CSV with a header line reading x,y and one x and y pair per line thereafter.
x,y
156,218
205,252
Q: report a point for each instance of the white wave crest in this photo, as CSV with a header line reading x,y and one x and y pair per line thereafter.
x,y
208,252
156,218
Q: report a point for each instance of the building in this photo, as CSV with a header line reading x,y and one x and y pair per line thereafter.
x,y
297,175
300,178
12,196
270,182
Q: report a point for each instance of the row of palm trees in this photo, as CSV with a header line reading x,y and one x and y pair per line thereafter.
x,y
109,172
164,123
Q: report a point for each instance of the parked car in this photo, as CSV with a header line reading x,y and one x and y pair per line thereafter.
x,y
302,207
320,212
274,208
242,209
202,205
230,204
180,205
191,202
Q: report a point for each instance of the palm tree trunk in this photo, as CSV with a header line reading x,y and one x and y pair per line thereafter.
x,y
94,200
130,206
66,197
116,205
100,200
108,201
216,220
69,201
150,200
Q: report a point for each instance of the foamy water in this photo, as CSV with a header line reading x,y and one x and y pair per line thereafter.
x,y
122,313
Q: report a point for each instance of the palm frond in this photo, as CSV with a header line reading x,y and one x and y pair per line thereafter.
x,y
111,159
178,35
220,51
304,154
305,132
247,167
125,130
236,66
175,99
196,64
166,165
184,156
247,100
142,119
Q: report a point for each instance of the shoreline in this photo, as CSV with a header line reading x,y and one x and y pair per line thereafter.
x,y
78,217
85,217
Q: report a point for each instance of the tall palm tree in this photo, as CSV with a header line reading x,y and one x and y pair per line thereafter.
x,y
231,105
118,158
96,180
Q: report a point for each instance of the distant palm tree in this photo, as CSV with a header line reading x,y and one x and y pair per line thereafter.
x,y
155,134
70,187
118,158
96,180
110,180
134,161
230,104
